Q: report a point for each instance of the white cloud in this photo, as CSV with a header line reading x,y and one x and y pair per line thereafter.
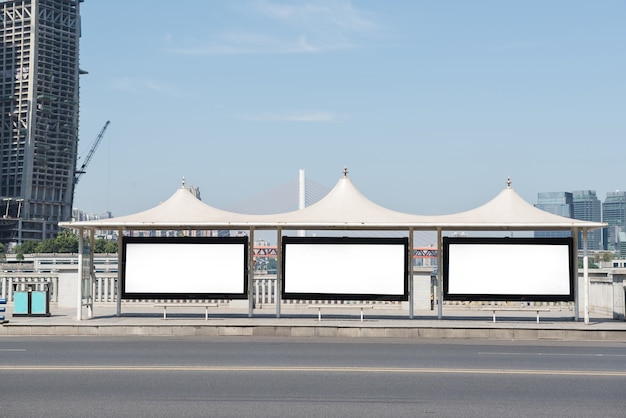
x,y
316,116
241,43
272,27
336,15
136,85
517,45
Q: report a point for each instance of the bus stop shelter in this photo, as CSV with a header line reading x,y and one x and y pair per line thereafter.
x,y
344,208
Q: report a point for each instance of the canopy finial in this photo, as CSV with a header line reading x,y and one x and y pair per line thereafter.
x,y
508,183
345,172
183,182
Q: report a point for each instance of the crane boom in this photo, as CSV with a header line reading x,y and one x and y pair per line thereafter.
x,y
81,171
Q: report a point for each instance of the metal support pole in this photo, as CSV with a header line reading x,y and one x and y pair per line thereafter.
x,y
411,276
81,249
439,274
585,275
301,196
92,273
574,268
279,269
251,273
118,282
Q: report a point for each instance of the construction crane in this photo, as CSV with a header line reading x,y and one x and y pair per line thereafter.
x,y
81,171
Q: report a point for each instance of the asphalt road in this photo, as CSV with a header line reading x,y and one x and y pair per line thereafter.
x,y
263,377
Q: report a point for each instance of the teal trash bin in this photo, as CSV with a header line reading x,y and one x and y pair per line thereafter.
x,y
39,302
31,302
21,302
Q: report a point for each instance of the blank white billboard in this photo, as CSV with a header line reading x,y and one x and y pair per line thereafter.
x,y
345,268
184,268
508,269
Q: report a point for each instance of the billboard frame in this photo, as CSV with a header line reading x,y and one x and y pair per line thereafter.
x,y
509,297
238,241
288,241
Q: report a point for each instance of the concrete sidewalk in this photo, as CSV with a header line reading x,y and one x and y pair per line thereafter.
x,y
457,322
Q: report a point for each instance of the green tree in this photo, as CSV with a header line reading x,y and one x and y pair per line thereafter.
x,y
607,256
111,247
99,246
102,246
590,264
66,242
45,246
27,247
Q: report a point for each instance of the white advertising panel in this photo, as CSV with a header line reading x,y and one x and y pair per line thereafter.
x,y
345,268
508,269
184,268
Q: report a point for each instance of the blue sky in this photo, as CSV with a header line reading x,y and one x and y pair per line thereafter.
x,y
430,104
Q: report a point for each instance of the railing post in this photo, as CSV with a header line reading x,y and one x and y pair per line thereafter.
x,y
55,281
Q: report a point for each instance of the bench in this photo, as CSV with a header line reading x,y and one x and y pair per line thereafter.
x,y
355,306
495,309
206,307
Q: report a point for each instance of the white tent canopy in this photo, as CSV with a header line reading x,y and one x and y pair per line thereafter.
x,y
344,207
509,211
181,211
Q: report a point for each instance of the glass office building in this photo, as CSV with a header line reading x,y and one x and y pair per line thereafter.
x,y
558,203
614,214
587,207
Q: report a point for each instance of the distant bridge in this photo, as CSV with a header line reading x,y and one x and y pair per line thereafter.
x,y
269,251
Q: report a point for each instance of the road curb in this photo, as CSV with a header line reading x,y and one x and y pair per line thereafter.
x,y
442,332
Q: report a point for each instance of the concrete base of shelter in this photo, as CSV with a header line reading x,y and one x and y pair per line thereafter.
x,y
457,323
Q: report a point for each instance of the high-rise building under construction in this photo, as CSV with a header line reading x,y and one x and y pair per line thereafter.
x,y
39,88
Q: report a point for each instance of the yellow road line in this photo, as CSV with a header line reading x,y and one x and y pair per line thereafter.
x,y
320,370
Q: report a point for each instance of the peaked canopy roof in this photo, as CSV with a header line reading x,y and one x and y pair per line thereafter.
x,y
343,208
508,210
181,211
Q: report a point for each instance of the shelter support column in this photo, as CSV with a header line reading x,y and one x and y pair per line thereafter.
x,y
574,268
585,275
92,274
279,269
251,273
411,284
81,250
439,274
118,282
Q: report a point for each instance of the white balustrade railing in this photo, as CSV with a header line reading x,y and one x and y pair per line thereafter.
x,y
104,288
264,292
21,282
